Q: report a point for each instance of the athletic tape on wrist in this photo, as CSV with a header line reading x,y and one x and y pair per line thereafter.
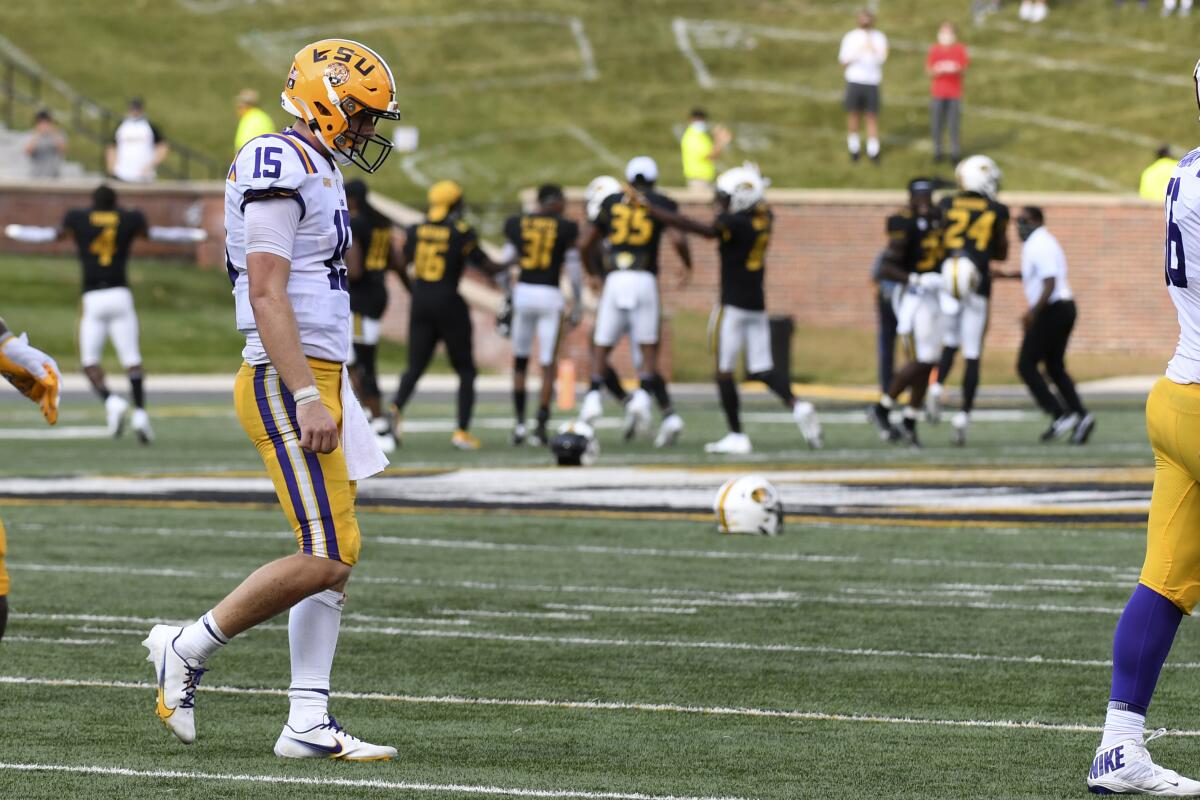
x,y
309,394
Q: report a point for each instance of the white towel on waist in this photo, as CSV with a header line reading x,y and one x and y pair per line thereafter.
x,y
363,456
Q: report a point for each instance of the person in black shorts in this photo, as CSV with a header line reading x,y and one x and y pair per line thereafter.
x,y
367,261
439,249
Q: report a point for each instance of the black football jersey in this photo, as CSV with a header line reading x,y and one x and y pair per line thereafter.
x,y
971,226
372,232
439,252
743,248
104,239
542,241
632,234
920,236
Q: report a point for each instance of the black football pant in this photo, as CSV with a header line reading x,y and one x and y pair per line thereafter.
x,y
1046,343
448,322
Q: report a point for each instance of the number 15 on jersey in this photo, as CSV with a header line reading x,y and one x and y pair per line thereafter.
x,y
1176,262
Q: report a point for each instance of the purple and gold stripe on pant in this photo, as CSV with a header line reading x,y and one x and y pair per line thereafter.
x,y
301,469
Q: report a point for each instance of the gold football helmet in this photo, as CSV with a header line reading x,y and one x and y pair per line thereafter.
x,y
340,88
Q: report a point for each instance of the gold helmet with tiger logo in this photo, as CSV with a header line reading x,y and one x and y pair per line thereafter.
x,y
338,86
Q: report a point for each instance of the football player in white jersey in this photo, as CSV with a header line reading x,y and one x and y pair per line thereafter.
x,y
1169,585
288,229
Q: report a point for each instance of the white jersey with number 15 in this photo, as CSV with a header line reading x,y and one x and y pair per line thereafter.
x,y
1183,265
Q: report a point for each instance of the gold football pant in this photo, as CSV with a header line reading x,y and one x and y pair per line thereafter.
x,y
3,571
1172,566
314,489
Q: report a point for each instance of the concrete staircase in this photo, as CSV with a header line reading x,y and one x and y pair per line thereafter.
x,y
15,166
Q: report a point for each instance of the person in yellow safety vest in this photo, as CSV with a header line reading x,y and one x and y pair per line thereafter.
x,y
1155,177
700,150
252,120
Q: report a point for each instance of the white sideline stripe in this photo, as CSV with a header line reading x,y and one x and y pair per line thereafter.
x,y
353,783
640,552
66,432
623,609
265,626
485,614
23,639
598,705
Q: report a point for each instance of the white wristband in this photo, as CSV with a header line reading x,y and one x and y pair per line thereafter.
x,y
309,394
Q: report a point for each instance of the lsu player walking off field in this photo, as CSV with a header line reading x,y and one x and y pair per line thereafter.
x,y
912,259
439,249
630,300
287,232
974,233
739,323
540,243
1169,585
35,375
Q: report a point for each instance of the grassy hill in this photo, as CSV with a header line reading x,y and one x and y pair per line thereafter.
x,y
506,94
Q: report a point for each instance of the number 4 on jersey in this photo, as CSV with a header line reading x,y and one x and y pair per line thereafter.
x,y
1177,274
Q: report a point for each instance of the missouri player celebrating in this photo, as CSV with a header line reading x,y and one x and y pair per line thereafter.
x,y
629,302
439,249
739,323
288,229
370,255
974,233
913,259
540,244
35,375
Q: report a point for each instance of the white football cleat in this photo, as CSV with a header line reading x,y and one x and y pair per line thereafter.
x,y
1126,768
177,682
735,444
933,403
328,740
386,442
140,422
960,422
115,407
592,408
806,417
637,414
519,433
669,430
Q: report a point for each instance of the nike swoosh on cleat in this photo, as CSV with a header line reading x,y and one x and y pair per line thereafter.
x,y
163,711
333,751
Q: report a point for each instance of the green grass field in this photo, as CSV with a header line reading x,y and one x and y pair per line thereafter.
x,y
578,653
507,94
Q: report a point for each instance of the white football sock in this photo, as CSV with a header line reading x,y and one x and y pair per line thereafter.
x,y
872,147
853,143
887,402
1026,11
201,639
1121,725
313,626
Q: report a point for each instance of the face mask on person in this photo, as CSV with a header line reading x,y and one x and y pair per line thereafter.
x,y
946,37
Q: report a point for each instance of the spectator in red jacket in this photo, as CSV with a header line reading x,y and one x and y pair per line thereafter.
x,y
946,63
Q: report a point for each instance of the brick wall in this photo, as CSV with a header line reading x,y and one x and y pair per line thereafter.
x,y
818,263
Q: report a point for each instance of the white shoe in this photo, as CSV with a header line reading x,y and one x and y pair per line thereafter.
x,y
637,414
115,407
960,422
1025,13
669,430
734,444
1126,768
806,417
519,432
328,740
177,682
933,403
140,422
1063,425
592,408
386,442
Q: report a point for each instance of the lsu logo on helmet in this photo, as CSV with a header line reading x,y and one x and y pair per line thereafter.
x,y
336,86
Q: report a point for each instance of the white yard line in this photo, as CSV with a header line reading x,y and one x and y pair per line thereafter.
x,y
23,639
346,783
638,552
487,614
597,705
621,609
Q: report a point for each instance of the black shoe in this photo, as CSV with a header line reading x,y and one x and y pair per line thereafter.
x,y
909,433
855,156
540,437
1084,429
877,159
880,419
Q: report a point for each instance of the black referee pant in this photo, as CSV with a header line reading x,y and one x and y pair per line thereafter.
x,y
446,321
1045,343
